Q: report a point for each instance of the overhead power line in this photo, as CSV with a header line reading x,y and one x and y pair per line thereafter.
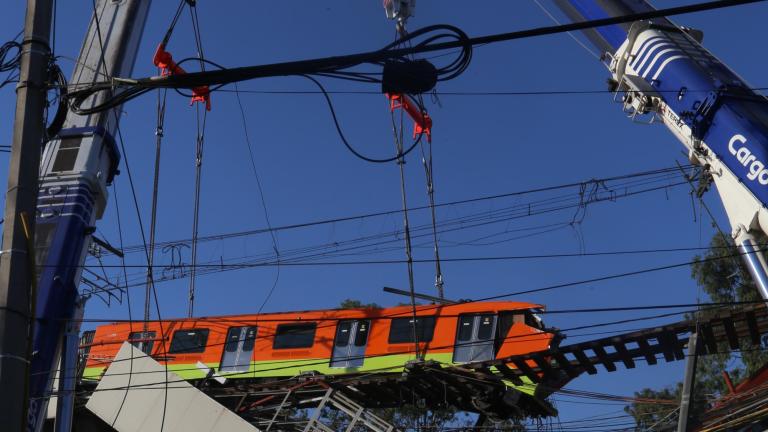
x,y
472,200
306,66
334,66
378,243
476,93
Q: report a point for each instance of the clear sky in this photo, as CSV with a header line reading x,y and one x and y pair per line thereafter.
x,y
483,145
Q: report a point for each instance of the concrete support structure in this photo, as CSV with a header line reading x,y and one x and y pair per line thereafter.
x,y
17,272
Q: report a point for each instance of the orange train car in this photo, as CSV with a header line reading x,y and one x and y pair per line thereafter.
x,y
330,342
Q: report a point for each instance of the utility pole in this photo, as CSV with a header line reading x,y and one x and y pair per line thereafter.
x,y
16,271
688,383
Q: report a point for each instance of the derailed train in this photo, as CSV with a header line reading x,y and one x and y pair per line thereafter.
x,y
329,342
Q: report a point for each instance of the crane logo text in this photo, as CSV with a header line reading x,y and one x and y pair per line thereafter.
x,y
756,168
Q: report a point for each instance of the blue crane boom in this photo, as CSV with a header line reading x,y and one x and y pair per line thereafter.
x,y
662,72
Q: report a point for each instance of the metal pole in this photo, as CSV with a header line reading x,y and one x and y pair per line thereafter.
x,y
688,384
755,261
16,273
65,403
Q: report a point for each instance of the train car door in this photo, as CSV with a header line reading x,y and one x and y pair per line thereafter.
x,y
350,343
475,338
238,350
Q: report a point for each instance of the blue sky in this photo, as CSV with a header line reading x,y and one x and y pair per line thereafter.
x,y
482,146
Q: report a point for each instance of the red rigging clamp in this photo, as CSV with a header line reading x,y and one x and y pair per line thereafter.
x,y
422,122
164,60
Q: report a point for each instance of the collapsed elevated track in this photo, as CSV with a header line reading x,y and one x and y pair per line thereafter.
x,y
481,387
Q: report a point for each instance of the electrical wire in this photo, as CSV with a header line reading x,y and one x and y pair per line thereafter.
x,y
474,93
336,66
62,103
272,233
472,200
10,59
459,224
128,300
327,69
572,36
343,138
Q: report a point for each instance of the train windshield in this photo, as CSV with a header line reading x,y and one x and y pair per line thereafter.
x,y
533,319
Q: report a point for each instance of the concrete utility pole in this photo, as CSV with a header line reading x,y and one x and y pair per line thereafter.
x,y
16,271
688,383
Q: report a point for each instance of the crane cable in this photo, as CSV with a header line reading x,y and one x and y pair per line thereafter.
x,y
161,100
159,133
150,290
426,161
400,157
402,34
398,134
200,141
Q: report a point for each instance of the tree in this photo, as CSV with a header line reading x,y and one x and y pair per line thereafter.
x,y
723,278
357,304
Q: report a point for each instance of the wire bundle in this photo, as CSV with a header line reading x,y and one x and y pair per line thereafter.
x,y
9,61
333,67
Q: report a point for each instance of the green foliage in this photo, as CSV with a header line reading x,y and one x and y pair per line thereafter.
x,y
357,304
413,417
723,278
649,415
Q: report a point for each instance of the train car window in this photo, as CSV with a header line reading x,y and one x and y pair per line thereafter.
x,y
533,320
506,321
233,338
250,339
362,333
294,336
485,331
189,341
401,329
142,341
465,328
342,333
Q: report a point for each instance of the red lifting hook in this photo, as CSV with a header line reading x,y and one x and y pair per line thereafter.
x,y
164,60
422,122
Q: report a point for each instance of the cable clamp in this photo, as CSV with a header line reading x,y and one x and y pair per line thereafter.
x,y
164,60
422,122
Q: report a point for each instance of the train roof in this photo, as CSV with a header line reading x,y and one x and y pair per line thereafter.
x,y
385,312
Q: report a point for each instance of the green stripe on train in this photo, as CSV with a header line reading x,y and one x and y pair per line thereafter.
x,y
394,363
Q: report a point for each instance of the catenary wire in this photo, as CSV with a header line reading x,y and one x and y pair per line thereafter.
x,y
471,200
460,224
